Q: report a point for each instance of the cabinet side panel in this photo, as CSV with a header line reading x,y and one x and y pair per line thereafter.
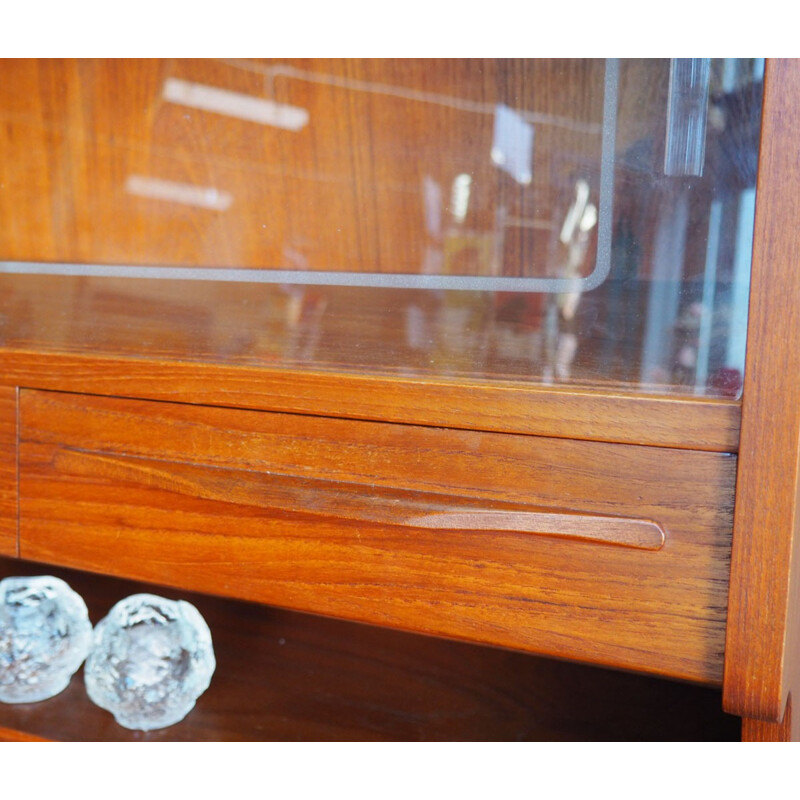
x,y
8,471
761,660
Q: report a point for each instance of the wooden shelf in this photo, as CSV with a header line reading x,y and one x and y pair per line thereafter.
x,y
288,676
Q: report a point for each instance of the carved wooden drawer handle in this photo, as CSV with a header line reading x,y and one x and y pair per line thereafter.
x,y
360,502
626,531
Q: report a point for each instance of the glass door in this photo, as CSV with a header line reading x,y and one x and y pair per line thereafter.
x,y
576,223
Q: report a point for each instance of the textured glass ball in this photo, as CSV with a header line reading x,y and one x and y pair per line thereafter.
x,y
151,658
45,635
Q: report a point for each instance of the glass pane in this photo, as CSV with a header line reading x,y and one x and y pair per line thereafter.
x,y
575,222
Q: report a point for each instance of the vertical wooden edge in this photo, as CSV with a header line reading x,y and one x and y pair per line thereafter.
x,y
787,730
761,664
9,533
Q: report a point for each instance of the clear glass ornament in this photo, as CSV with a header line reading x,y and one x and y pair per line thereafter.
x,y
45,635
151,659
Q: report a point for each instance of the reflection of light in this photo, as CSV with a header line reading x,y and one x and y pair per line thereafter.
x,y
459,199
512,145
432,195
184,193
687,115
576,211
235,104
589,218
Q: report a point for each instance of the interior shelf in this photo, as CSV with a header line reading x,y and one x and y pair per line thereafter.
x,y
288,676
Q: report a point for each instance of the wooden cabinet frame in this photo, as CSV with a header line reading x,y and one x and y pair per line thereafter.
x,y
762,662
762,658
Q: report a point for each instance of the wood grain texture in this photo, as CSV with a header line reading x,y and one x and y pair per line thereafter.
x,y
8,471
673,422
352,502
763,644
659,611
9,735
786,730
288,676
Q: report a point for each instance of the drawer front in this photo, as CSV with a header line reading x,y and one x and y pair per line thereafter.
x,y
612,554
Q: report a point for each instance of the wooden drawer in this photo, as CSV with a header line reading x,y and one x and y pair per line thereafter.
x,y
482,536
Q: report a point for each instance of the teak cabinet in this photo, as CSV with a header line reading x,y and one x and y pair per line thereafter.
x,y
375,453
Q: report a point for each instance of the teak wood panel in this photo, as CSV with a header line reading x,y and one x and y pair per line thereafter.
x,y
287,676
8,470
11,735
661,421
759,730
179,495
763,646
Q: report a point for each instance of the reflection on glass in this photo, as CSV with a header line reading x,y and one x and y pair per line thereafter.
x,y
234,104
512,147
685,148
579,222
173,192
